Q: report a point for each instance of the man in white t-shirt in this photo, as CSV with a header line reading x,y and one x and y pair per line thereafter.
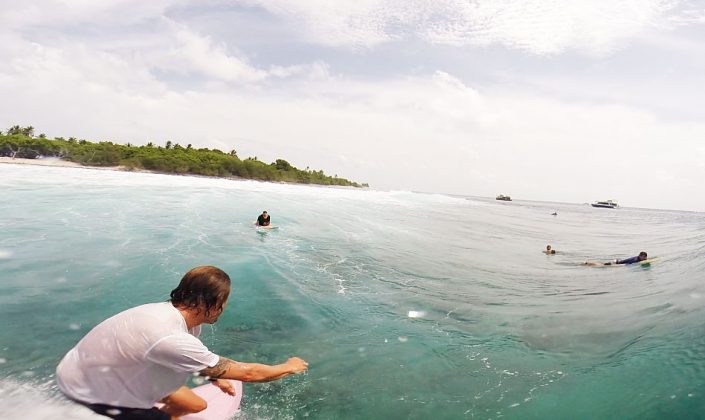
x,y
144,355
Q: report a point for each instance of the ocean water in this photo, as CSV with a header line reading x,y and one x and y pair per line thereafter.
x,y
406,305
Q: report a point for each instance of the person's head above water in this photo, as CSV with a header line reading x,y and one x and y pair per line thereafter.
x,y
548,247
205,288
642,256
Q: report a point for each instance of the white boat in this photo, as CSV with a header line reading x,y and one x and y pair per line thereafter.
x,y
609,204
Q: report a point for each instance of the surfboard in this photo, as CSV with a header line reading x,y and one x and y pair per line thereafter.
x,y
264,229
221,406
646,263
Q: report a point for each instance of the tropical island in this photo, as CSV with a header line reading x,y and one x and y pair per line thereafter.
x,y
172,158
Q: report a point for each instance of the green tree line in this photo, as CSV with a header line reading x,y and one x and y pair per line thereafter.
x,y
172,158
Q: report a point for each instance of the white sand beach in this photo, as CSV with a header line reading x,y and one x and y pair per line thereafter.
x,y
54,161
48,161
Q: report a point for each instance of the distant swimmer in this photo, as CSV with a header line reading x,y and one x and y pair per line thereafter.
x,y
549,250
263,219
555,213
632,260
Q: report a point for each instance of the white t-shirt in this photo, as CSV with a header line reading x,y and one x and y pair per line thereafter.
x,y
134,358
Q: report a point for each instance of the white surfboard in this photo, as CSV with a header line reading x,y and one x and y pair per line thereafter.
x,y
221,406
265,229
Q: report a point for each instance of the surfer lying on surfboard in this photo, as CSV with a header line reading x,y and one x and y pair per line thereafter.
x,y
145,355
263,219
639,258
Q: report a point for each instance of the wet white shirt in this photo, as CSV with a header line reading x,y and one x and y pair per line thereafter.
x,y
134,358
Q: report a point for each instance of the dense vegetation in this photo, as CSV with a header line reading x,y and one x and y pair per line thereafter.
x,y
20,142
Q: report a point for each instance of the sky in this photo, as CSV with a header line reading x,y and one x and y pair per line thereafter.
x,y
551,100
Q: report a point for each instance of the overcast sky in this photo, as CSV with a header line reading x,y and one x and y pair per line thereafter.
x,y
557,100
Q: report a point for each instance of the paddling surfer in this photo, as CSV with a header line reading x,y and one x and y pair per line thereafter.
x,y
144,355
631,260
263,219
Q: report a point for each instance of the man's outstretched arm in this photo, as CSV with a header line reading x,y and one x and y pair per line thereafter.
x,y
253,372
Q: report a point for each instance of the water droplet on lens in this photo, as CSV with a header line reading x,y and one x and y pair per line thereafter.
x,y
415,314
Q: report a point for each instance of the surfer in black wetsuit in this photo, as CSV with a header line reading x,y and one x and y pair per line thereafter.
x,y
631,260
263,219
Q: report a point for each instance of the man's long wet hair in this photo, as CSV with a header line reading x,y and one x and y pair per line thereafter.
x,y
205,287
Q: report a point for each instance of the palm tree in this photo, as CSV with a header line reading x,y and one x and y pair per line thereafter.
x,y
15,129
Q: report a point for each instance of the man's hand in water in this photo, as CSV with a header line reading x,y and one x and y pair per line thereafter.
x,y
224,386
297,364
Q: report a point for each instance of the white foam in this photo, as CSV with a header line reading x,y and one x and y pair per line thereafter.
x,y
5,254
109,178
30,401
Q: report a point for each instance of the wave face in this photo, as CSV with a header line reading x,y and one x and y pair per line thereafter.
x,y
406,305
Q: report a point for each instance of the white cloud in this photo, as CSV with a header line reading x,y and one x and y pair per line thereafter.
x,y
545,27
54,13
192,52
361,23
534,26
161,45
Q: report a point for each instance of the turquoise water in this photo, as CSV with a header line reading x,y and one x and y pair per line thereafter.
x,y
405,305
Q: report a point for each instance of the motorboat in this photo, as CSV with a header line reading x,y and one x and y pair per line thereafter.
x,y
503,198
608,204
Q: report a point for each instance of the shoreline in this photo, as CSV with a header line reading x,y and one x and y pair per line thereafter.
x,y
40,162
58,162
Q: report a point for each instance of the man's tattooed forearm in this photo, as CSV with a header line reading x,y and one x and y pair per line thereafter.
x,y
219,369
